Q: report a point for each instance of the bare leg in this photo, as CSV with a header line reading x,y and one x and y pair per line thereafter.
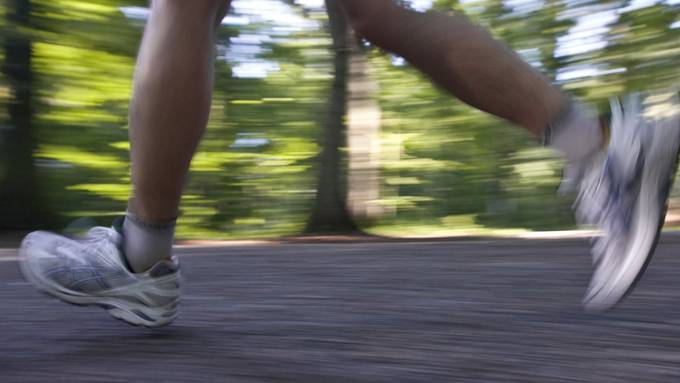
x,y
463,59
168,115
171,101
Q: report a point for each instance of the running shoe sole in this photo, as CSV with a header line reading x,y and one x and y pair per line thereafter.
x,y
124,310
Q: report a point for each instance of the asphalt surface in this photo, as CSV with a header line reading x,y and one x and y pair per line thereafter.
x,y
460,311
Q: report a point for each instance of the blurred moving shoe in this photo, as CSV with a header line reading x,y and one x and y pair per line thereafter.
x,y
91,270
626,194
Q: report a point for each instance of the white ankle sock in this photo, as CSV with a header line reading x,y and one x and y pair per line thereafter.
x,y
146,244
576,132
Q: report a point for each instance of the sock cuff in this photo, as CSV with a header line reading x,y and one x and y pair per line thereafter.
x,y
557,123
147,225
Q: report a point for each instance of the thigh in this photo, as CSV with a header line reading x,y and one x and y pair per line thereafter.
x,y
361,9
364,14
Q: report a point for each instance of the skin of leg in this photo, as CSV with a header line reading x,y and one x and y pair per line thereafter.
x,y
171,101
462,58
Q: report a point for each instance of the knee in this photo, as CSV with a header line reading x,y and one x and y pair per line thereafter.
x,y
203,9
364,14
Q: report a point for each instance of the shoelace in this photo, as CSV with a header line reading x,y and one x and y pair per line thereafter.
x,y
99,233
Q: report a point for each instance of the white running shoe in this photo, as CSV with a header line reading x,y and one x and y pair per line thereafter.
x,y
626,193
91,270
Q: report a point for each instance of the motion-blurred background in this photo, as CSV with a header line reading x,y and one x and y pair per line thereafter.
x,y
281,156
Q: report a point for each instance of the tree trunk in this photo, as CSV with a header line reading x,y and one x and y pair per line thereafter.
x,y
18,203
330,213
363,125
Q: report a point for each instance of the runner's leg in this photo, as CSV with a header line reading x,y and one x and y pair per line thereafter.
x,y
129,271
622,189
168,114
466,61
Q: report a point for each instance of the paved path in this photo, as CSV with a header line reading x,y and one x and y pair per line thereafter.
x,y
476,311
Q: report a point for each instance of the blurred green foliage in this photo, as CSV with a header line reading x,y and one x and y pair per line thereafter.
x,y
443,164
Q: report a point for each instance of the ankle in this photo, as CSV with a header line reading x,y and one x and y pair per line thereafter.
x,y
576,131
145,243
150,216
